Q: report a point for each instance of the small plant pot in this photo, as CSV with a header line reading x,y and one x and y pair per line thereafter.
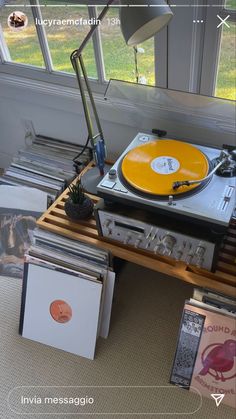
x,y
79,211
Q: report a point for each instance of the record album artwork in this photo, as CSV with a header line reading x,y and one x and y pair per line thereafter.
x,y
206,353
215,366
60,309
19,209
16,229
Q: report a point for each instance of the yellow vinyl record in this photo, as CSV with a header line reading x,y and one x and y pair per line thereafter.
x,y
153,167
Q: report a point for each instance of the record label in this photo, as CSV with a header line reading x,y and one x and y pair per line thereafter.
x,y
165,165
60,311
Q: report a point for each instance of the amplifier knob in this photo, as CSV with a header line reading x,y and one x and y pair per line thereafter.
x,y
107,223
158,248
137,243
179,254
168,242
127,239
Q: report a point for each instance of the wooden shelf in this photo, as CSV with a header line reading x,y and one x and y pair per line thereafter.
x,y
223,280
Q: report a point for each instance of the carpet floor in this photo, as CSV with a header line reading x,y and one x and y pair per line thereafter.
x,y
138,352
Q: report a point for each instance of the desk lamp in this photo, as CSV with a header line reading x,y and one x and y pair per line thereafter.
x,y
138,24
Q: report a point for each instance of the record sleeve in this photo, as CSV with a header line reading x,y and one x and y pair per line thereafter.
x,y
191,328
215,367
60,310
19,209
205,357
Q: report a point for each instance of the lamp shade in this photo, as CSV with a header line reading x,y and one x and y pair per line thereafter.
x,y
140,23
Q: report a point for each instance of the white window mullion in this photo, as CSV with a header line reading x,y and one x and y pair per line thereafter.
x,y
42,37
97,47
4,51
196,50
161,58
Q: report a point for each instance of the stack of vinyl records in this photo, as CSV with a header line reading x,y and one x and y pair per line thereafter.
x,y
67,293
205,358
47,164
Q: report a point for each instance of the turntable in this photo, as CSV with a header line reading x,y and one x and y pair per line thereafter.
x,y
175,178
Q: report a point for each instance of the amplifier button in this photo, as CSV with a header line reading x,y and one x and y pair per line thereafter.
x,y
168,242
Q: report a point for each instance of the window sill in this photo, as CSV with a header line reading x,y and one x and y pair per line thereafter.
x,y
176,117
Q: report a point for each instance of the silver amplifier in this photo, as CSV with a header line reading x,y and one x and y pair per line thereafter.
x,y
157,234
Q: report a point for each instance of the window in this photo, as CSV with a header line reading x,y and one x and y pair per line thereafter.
x,y
225,84
63,39
185,56
49,46
23,47
119,59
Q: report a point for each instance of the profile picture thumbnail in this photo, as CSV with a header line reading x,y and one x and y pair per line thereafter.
x,y
17,21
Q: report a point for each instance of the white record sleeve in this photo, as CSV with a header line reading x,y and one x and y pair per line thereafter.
x,y
107,305
60,310
23,198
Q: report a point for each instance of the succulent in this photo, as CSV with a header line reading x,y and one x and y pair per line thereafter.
x,y
76,193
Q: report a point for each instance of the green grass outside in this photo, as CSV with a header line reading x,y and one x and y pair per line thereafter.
x,y
118,57
226,72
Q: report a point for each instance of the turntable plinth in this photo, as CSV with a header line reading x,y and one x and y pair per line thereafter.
x,y
223,280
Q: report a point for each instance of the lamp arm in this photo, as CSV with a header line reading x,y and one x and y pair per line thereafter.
x,y
77,62
93,29
86,80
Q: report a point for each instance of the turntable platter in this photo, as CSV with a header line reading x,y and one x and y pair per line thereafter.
x,y
153,167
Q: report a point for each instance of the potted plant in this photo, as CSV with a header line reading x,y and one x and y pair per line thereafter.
x,y
78,206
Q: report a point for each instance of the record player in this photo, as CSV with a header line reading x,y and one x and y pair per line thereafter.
x,y
176,178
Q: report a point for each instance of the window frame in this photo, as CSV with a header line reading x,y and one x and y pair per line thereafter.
x,y
50,75
203,54
212,47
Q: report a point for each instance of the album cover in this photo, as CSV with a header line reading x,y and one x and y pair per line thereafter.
x,y
191,328
19,210
205,357
215,367
60,309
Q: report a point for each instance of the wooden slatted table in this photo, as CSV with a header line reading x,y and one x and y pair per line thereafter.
x,y
222,280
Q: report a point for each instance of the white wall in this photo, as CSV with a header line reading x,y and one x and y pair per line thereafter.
x,y
57,112
52,115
